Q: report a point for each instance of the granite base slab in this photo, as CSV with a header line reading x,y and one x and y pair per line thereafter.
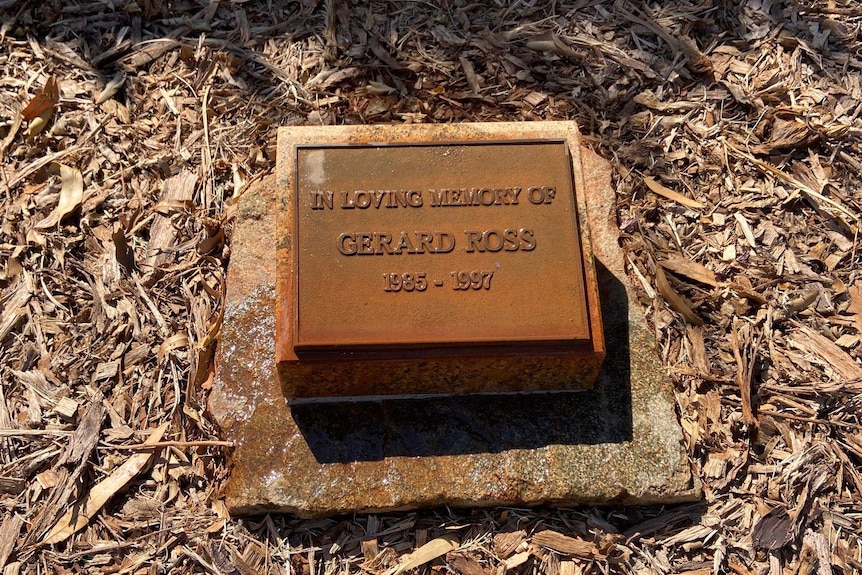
x,y
620,443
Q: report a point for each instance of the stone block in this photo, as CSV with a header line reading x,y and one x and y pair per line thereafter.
x,y
619,443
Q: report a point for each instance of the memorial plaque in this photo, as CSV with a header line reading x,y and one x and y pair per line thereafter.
x,y
433,267
468,450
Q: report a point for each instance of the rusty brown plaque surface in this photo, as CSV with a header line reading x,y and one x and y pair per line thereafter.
x,y
434,259
407,245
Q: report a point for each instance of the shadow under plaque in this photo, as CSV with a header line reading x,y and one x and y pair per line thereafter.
x,y
370,430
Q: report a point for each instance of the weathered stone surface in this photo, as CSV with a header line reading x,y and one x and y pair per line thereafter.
x,y
617,444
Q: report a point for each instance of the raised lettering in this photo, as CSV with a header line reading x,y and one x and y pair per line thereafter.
x,y
445,242
536,195
362,199
347,244
414,198
494,245
382,243
404,243
346,201
426,240
378,197
397,197
474,241
364,241
436,197
320,199
443,197
510,240
528,241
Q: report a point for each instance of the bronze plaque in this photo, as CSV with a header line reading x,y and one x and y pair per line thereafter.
x,y
429,251
438,244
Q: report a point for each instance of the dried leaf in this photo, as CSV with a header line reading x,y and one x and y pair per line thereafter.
x,y
746,229
774,530
696,61
146,52
680,264
71,195
672,195
14,307
111,88
648,98
676,301
428,552
123,251
747,293
169,207
470,74
44,101
449,37
551,42
176,341
39,123
379,88
10,137
208,244
81,513
339,76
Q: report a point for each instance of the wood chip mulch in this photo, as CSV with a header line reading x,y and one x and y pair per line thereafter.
x,y
128,129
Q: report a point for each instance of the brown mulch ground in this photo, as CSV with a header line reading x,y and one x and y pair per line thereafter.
x,y
128,130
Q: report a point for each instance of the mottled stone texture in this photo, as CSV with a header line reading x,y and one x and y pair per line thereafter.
x,y
617,444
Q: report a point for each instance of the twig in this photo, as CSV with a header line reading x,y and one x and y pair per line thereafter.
x,y
161,444
783,415
743,372
14,432
812,419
